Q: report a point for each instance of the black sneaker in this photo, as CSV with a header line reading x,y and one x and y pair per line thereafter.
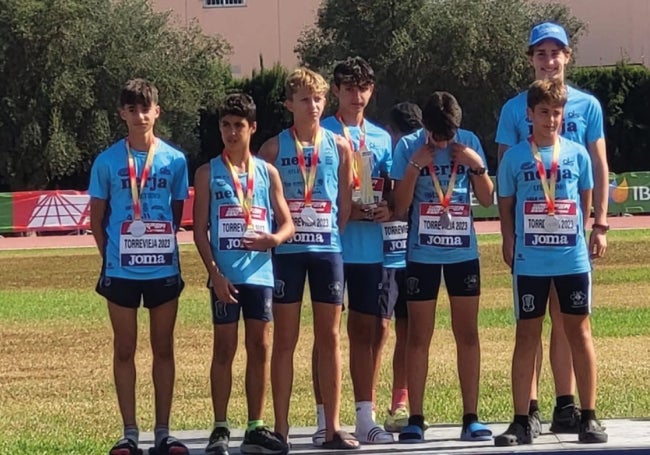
x,y
592,432
566,419
264,441
218,441
535,422
515,435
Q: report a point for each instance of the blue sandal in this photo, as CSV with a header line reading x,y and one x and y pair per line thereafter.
x,y
476,431
411,434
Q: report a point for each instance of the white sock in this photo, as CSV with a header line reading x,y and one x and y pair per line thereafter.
x,y
364,414
320,416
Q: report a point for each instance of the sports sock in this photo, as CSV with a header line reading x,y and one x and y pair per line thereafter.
x,y
532,407
252,424
132,432
160,433
468,419
320,416
564,401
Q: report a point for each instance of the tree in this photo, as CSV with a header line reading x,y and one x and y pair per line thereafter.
x,y
62,64
474,49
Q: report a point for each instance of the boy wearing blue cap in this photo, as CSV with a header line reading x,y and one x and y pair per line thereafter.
x,y
549,53
545,186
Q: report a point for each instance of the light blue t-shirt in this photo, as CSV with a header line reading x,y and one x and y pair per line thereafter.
x,y
227,224
583,119
154,254
323,235
540,251
429,242
362,240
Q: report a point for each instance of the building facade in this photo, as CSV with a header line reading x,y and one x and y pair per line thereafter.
x,y
617,29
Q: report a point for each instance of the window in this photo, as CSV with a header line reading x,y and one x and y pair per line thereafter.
x,y
223,3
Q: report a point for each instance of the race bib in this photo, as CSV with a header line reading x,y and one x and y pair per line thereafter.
x,y
539,232
395,234
432,233
232,225
155,247
317,229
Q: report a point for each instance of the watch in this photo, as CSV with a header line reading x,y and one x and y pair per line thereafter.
x,y
478,171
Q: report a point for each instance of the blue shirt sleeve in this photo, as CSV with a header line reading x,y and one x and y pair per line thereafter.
x,y
506,128
399,161
595,129
180,189
505,178
586,180
99,186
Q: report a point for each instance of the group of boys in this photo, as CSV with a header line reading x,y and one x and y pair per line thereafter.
x,y
343,204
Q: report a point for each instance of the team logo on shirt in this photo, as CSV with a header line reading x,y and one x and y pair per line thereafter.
x,y
528,303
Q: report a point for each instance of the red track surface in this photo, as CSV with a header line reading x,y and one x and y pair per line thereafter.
x,y
77,241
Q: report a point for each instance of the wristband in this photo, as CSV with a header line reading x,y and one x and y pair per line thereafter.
x,y
603,228
415,165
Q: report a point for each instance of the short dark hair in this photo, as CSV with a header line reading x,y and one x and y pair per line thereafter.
x,y
549,91
405,117
139,91
240,105
442,115
354,71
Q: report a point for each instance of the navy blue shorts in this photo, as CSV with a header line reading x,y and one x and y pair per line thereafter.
x,y
462,279
253,301
129,293
392,295
531,294
364,283
325,273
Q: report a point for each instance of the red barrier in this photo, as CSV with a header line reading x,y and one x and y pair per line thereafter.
x,y
63,210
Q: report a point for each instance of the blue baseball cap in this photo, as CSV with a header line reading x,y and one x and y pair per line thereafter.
x,y
548,30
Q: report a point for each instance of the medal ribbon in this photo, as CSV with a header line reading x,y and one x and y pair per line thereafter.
x,y
547,187
136,192
246,202
308,179
444,198
357,165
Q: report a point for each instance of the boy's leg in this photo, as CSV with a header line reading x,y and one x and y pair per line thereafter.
x,y
125,334
574,292
224,346
365,332
123,299
566,415
290,273
530,295
422,285
160,296
257,362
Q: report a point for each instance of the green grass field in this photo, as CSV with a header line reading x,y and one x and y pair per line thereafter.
x,y
56,389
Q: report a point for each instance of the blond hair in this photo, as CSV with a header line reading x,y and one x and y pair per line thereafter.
x,y
304,77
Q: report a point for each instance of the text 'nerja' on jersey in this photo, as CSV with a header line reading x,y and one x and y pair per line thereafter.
x,y
540,251
363,240
153,253
582,123
321,234
431,241
228,224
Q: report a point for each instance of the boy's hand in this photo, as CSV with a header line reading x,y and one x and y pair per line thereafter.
x,y
424,155
261,242
466,156
381,213
223,288
597,244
